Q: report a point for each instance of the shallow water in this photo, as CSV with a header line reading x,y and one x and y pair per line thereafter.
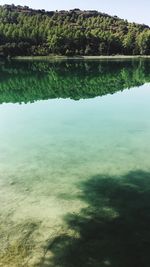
x,y
75,175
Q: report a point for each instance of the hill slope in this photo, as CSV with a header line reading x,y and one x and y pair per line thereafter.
x,y
24,31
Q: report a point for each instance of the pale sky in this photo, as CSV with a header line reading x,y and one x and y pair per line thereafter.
x,y
133,10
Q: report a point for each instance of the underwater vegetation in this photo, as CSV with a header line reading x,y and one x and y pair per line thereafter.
x,y
114,229
17,243
29,81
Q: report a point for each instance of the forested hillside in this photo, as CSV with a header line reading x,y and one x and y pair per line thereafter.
x,y
24,31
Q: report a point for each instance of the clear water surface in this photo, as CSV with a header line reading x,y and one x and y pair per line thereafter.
x,y
75,163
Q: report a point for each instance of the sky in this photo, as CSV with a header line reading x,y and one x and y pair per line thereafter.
x,y
132,10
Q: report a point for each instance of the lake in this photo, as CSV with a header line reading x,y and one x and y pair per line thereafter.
x,y
75,163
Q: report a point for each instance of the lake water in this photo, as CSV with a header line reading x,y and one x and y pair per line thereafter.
x,y
75,163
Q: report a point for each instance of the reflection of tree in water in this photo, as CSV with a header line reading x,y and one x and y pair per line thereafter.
x,y
28,81
114,230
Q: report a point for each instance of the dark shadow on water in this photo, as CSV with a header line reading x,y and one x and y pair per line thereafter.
x,y
114,230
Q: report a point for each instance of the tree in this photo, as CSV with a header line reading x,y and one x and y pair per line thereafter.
x,y
70,32
143,42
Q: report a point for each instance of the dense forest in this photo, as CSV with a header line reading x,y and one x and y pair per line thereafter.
x,y
24,31
29,81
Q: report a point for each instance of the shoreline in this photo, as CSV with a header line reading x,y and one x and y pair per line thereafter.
x,y
57,57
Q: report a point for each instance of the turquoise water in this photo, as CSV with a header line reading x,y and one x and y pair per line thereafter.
x,y
75,175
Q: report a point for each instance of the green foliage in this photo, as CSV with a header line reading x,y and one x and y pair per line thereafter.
x,y
143,42
69,33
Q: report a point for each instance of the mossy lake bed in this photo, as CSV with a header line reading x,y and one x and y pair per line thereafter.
x,y
75,163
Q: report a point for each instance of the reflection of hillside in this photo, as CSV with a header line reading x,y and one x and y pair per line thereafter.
x,y
29,81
